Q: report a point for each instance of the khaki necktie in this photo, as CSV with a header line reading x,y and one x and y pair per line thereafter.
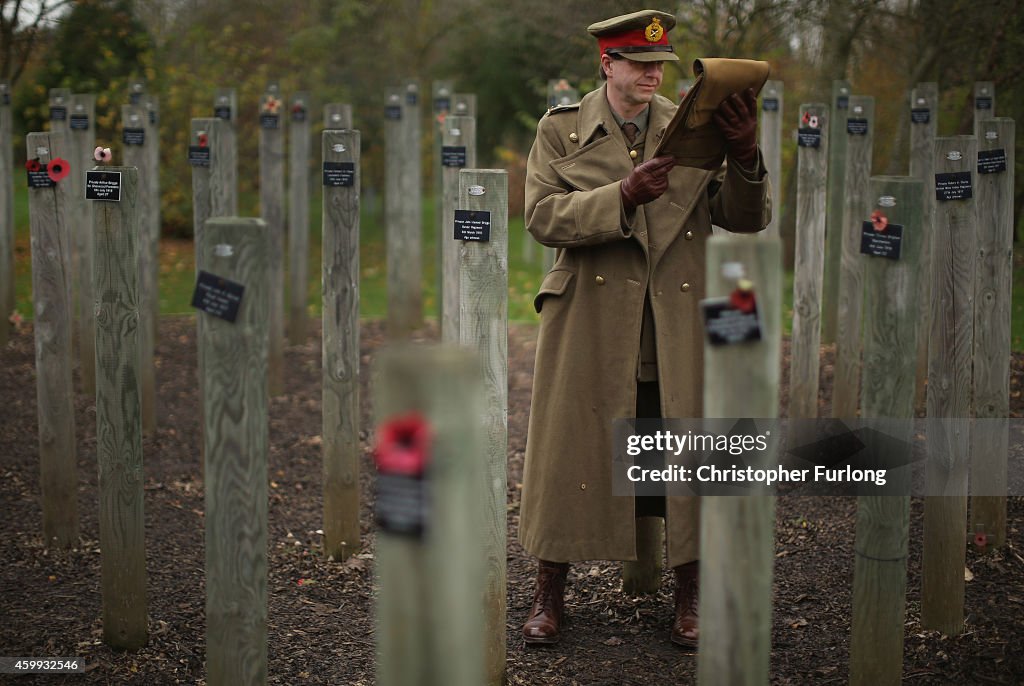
x,y
630,131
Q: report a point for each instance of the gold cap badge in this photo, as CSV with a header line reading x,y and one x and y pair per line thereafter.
x,y
654,31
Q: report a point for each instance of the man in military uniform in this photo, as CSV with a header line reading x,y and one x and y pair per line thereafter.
x,y
620,335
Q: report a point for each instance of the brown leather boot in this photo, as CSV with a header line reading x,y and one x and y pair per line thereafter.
x,y
545,620
684,628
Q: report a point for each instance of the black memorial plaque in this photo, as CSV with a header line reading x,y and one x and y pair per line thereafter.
x,y
886,243
393,112
842,102
152,117
953,186
402,504
79,122
217,296
453,156
472,225
103,185
808,138
6,100
58,113
411,98
991,161
920,115
299,115
222,112
134,98
442,104
770,104
198,156
339,174
727,325
270,121
983,103
857,126
40,179
133,136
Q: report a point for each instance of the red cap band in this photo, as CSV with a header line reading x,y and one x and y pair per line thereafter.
x,y
635,38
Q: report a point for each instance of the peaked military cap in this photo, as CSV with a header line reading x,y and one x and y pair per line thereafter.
x,y
640,36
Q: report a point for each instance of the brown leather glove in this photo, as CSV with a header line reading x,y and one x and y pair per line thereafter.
x,y
736,118
646,182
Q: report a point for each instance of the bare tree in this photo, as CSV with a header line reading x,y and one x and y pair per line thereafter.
x,y
21,24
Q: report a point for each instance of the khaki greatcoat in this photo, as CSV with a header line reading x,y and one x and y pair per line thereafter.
x,y
591,305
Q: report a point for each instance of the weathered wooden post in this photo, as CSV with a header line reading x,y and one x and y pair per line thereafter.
x,y
860,124
834,208
464,104
117,238
337,116
59,100
403,228
984,104
441,102
136,154
481,229
151,173
992,294
737,533
924,108
47,202
809,260
950,350
225,108
298,217
6,214
272,212
340,405
430,564
772,101
891,311
82,143
561,93
458,152
234,351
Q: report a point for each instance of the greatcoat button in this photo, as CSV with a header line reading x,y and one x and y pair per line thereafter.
x,y
583,487
632,154
573,137
685,287
599,279
689,235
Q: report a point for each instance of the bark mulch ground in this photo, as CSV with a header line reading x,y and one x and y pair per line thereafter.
x,y
321,628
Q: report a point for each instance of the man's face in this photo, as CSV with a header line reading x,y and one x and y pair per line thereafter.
x,y
635,83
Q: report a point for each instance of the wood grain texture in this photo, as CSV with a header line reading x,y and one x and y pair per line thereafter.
x,y
298,221
272,212
737,534
82,144
460,131
922,166
856,210
7,301
992,295
151,173
340,405
483,327
950,352
891,314
439,581
234,385
52,326
834,210
225,97
770,131
809,266
138,156
116,237
643,575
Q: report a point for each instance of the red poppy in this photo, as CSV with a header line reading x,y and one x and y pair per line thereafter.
x,y
57,169
980,540
806,118
403,445
298,107
203,140
879,221
271,104
32,165
743,300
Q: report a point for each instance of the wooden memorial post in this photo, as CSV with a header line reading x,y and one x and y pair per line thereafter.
x,y
891,313
136,138
772,101
7,302
82,144
737,533
435,580
561,93
441,103
60,99
234,386
272,212
859,124
458,152
337,116
950,350
834,208
117,238
464,104
809,260
403,238
483,326
151,172
924,116
412,206
984,104
340,405
225,108
992,352
298,217
47,203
